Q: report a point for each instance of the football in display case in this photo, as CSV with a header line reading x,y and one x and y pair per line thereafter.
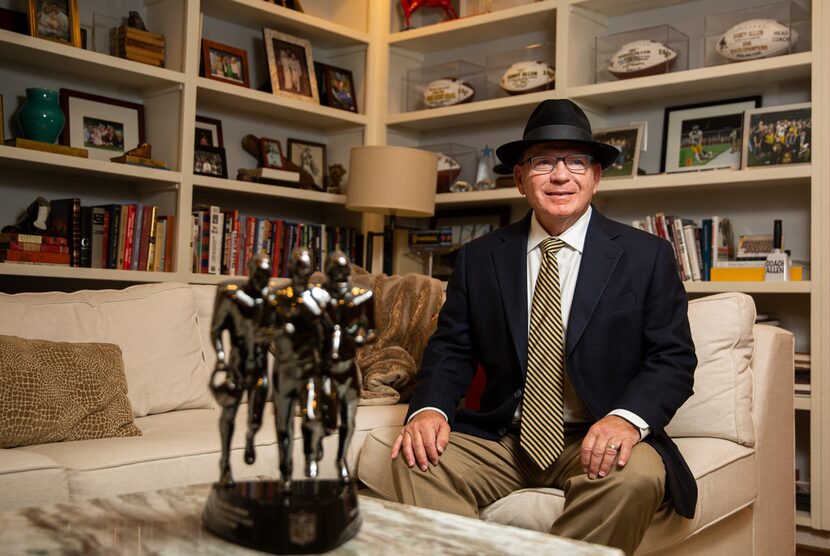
x,y
756,33
445,84
641,52
456,166
520,71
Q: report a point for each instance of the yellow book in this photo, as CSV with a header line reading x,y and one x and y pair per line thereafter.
x,y
751,274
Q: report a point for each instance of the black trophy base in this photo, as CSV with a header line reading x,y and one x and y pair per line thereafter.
x,y
313,516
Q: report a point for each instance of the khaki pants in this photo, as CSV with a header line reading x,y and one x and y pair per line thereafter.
x,y
614,510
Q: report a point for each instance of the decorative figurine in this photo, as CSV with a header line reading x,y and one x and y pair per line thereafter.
x,y
314,332
349,326
485,178
297,311
336,173
134,20
410,6
239,310
34,221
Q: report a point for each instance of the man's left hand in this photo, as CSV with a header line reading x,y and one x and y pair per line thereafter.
x,y
611,438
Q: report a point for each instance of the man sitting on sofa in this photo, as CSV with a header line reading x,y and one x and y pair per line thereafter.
x,y
580,326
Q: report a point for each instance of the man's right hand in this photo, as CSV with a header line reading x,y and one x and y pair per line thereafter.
x,y
423,439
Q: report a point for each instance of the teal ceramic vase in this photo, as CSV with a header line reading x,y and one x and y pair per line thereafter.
x,y
41,118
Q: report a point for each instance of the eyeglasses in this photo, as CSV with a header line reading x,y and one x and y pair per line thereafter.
x,y
575,163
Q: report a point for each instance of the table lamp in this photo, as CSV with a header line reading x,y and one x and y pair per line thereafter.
x,y
398,181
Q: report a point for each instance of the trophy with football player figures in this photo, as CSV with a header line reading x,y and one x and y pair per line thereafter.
x,y
313,331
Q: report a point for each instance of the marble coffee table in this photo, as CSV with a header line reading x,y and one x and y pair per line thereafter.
x,y
168,522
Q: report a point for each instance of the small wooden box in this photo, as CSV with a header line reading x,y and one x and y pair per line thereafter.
x,y
139,46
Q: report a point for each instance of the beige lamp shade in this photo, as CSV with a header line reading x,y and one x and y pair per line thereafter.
x,y
392,180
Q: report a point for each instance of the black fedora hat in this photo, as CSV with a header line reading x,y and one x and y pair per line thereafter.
x,y
557,120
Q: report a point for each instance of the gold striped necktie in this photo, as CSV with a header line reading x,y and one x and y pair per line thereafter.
x,y
542,427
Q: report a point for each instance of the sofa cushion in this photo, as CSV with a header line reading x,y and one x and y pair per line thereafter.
x,y
30,479
721,406
155,325
56,391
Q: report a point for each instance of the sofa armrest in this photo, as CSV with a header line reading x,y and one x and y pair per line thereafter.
x,y
773,414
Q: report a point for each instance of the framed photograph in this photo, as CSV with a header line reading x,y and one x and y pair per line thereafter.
x,y
107,127
311,157
290,66
336,87
705,136
271,153
55,20
210,161
778,135
225,63
208,132
628,140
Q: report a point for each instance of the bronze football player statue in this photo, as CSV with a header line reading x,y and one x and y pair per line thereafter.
x,y
239,310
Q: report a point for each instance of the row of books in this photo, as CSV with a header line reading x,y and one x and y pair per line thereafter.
x,y
802,374
129,237
222,241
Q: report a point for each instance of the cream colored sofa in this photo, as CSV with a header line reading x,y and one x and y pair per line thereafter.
x,y
163,332
736,433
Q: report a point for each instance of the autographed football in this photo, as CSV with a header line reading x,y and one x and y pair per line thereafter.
x,y
448,170
527,77
639,58
756,38
447,92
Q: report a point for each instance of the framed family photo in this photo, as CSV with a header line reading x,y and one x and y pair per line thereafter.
x,y
705,136
208,132
55,20
271,152
336,87
225,63
778,135
106,127
290,66
628,140
311,157
210,161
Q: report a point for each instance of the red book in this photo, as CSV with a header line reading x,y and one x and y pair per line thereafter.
x,y
14,255
107,216
129,232
34,247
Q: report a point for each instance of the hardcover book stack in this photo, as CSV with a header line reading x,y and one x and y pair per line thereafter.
x,y
137,45
34,249
222,241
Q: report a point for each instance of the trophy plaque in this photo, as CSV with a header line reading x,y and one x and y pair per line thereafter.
x,y
313,332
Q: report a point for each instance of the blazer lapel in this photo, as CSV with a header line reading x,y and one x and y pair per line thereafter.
x,y
599,259
510,262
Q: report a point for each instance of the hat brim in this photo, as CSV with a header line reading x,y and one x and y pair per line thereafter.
x,y
603,153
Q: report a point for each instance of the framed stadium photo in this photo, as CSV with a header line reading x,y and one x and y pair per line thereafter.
x,y
705,136
777,135
627,139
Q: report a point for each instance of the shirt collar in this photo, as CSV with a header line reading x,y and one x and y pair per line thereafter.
x,y
574,236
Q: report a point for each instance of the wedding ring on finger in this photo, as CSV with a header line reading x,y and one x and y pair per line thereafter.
x,y
612,447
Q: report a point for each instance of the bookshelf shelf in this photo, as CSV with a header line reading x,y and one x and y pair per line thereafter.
x,y
52,56
801,403
61,272
13,157
267,105
535,17
265,190
749,287
803,518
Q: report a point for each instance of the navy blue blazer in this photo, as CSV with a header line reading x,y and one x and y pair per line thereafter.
x,y
628,342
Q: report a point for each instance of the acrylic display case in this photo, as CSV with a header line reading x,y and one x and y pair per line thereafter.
x,y
756,33
456,167
444,84
520,71
640,52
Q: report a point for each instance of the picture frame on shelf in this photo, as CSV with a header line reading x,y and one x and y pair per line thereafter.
x,y
55,20
208,132
704,136
778,135
106,127
628,139
210,161
225,63
290,66
311,158
336,86
271,152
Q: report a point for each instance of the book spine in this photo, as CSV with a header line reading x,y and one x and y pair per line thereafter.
x,y
97,247
160,244
690,239
170,242
138,237
150,214
112,235
12,255
204,240
706,247
34,247
129,235
250,231
683,249
195,241
216,227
